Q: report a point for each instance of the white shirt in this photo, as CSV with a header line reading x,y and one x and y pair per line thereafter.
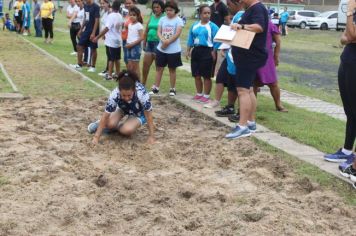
x,y
71,10
133,34
103,18
80,15
114,23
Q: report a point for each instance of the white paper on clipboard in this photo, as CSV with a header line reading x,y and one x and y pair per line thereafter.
x,y
241,38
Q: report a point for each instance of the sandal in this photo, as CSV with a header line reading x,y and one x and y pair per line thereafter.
x,y
281,109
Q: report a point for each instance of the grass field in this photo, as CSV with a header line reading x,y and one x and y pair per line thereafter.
x,y
5,86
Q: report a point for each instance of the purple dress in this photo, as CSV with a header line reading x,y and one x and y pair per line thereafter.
x,y
268,74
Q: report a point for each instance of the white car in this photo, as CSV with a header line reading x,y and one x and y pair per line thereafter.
x,y
326,20
299,18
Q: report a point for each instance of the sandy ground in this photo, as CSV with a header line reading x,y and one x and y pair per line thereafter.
x,y
193,182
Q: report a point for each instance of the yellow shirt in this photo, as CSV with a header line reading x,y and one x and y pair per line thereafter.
x,y
46,8
19,5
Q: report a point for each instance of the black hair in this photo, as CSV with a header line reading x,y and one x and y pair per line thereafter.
x,y
201,7
172,4
137,13
127,80
236,2
159,2
107,1
116,5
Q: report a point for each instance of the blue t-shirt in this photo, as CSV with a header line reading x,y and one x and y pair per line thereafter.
x,y
284,17
256,56
168,30
26,11
140,102
202,35
91,12
9,25
231,68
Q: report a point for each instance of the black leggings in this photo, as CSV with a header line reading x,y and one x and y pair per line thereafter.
x,y
347,87
47,24
74,29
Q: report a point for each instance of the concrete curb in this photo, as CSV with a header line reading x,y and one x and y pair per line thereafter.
x,y
298,150
9,78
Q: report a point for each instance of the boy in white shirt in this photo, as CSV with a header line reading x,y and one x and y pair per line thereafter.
x,y
113,41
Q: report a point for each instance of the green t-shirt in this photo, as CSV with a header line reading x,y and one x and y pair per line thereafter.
x,y
152,28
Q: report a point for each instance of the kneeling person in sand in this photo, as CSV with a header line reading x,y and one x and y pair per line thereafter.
x,y
129,100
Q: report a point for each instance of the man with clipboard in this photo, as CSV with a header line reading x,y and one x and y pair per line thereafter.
x,y
247,61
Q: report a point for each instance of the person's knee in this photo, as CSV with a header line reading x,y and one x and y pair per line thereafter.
x,y
127,130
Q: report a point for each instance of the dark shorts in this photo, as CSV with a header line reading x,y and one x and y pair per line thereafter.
x,y
113,54
172,60
202,62
244,77
223,77
19,18
151,47
84,41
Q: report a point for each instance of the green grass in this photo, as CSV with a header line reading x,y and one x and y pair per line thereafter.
x,y
5,86
303,169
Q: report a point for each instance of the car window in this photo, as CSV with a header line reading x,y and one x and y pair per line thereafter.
x,y
333,16
315,14
306,13
291,13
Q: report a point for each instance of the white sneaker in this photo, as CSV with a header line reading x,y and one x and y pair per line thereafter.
x,y
212,104
91,69
103,73
25,34
73,53
76,66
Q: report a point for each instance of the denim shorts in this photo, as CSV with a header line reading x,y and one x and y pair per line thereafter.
x,y
151,46
134,53
142,120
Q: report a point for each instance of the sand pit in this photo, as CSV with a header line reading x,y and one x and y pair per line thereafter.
x,y
193,182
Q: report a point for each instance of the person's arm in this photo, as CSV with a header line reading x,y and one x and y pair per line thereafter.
x,y
74,15
190,43
350,26
96,25
149,117
139,40
277,40
253,27
145,34
50,11
101,34
69,16
102,124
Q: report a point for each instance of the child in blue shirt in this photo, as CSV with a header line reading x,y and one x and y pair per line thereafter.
x,y
26,14
202,51
7,23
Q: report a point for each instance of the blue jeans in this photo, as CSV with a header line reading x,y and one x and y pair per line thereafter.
x,y
283,28
38,27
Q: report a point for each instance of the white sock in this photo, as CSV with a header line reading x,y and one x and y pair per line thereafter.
x,y
346,152
206,95
199,94
242,126
251,122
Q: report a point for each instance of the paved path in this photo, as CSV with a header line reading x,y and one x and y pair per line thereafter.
x,y
301,101
301,151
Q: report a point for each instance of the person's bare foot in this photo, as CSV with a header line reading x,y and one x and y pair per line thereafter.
x,y
281,109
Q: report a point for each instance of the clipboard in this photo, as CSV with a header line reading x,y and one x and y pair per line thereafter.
x,y
241,39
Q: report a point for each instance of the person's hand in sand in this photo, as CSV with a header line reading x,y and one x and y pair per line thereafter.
x,y
128,108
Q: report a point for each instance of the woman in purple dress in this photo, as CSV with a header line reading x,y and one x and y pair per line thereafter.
x,y
267,75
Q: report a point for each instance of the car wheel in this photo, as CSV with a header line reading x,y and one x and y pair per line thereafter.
x,y
324,26
302,25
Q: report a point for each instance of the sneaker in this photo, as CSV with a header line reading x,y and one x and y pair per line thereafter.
x,y
252,127
338,156
344,165
73,53
93,127
154,91
197,97
225,111
234,118
238,132
212,104
25,34
91,69
204,100
108,77
76,66
103,73
172,92
348,172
